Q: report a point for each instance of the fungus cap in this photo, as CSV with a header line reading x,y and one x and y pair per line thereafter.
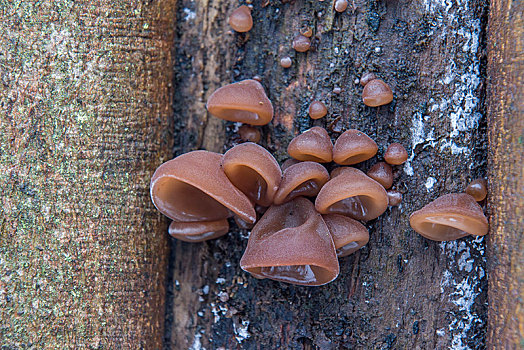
x,y
348,234
377,93
352,193
317,110
240,19
394,198
193,187
291,243
450,217
289,162
244,101
198,231
301,43
312,145
253,170
341,5
396,154
302,179
382,173
477,189
249,133
352,147
366,78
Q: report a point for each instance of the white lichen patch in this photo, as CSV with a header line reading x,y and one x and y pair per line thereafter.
x,y
197,344
430,182
241,331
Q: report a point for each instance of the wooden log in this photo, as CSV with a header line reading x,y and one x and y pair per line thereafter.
x,y
400,291
506,173
85,120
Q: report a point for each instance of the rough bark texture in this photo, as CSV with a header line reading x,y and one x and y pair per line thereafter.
x,y
506,172
85,120
401,291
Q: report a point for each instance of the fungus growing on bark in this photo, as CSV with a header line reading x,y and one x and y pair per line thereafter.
x,y
450,217
348,234
301,43
285,62
394,198
253,170
382,173
317,110
291,243
351,192
366,78
353,147
477,189
341,5
193,188
377,93
244,102
312,145
306,31
395,154
240,19
198,231
249,133
302,179
289,162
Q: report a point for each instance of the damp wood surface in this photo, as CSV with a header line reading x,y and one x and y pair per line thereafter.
x,y
506,132
85,120
401,291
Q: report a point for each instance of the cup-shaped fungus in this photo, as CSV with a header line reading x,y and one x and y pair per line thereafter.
x,y
348,234
301,43
244,102
353,147
395,154
289,162
317,110
193,188
394,198
450,217
302,179
313,145
198,231
366,78
253,170
291,243
341,5
377,93
249,133
382,173
240,19
477,189
354,194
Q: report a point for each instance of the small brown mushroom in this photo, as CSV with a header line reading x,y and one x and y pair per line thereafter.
x,y
395,154
366,78
317,110
240,19
352,193
193,187
348,234
301,43
382,173
377,93
341,5
198,231
244,102
302,179
477,189
306,31
394,198
253,170
291,243
312,145
249,133
450,217
353,147
285,62
289,162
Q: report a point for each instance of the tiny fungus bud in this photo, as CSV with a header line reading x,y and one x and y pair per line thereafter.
x,y
301,43
341,5
241,20
317,110
312,145
394,198
395,154
477,189
366,78
249,133
377,93
285,62
307,32
382,173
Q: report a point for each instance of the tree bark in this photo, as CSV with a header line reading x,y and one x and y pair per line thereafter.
x,y
506,125
86,119
401,290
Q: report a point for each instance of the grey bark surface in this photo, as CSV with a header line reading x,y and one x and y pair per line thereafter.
x,y
85,120
401,291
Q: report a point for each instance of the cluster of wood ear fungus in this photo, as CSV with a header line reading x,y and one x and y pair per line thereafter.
x,y
294,239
